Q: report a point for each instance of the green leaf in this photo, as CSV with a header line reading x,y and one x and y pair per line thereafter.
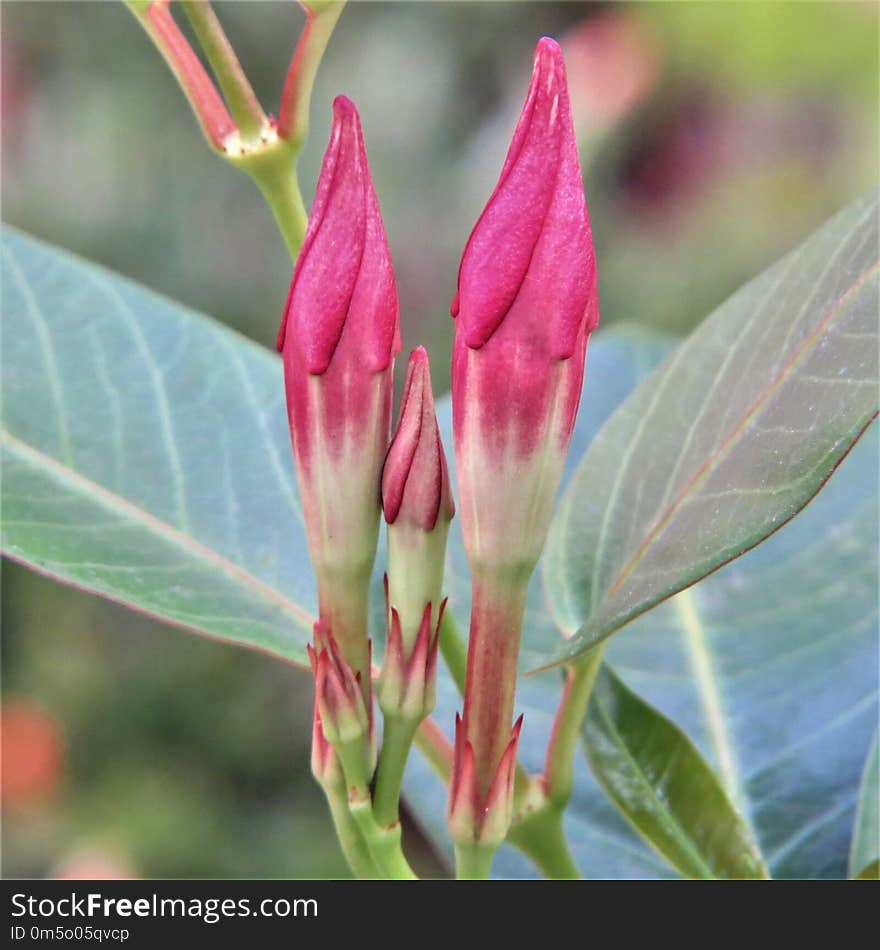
x,y
661,783
145,454
769,667
864,855
728,440
869,873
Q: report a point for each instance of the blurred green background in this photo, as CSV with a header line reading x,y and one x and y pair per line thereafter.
x,y
713,137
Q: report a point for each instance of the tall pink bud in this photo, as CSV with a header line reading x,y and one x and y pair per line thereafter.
x,y
418,506
339,338
525,307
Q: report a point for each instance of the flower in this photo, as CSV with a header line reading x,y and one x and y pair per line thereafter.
x,y
418,506
339,337
525,307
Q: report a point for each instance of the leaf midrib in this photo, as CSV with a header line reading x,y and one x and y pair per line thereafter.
x,y
674,825
711,463
126,509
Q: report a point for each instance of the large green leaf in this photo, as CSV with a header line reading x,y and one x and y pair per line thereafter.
x,y
728,440
769,666
662,784
145,454
865,851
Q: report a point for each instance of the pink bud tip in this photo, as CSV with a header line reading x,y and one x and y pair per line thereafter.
x,y
529,261
415,479
343,303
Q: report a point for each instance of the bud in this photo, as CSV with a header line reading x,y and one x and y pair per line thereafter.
x,y
418,505
342,717
525,306
339,338
478,818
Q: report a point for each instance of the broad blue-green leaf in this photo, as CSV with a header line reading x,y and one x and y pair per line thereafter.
x,y
769,666
728,440
865,851
661,783
145,454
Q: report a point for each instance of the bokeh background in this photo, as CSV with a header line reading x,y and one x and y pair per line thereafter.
x,y
713,137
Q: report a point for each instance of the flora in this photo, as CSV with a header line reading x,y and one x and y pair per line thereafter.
x,y
708,456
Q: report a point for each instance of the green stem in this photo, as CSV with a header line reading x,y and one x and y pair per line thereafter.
x,y
397,739
240,97
453,650
473,862
540,836
565,736
351,839
436,749
286,203
384,842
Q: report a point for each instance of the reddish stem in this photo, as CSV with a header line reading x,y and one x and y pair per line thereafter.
x,y
203,96
493,649
293,118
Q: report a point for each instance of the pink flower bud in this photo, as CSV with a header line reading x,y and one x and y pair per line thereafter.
x,y
418,505
525,306
415,480
339,338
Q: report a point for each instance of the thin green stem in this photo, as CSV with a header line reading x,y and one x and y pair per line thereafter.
x,y
351,839
436,748
384,842
397,738
540,836
473,862
453,650
273,168
565,737
240,97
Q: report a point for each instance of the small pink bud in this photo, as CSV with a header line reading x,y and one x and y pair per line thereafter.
x,y
415,480
525,306
417,500
474,818
339,338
